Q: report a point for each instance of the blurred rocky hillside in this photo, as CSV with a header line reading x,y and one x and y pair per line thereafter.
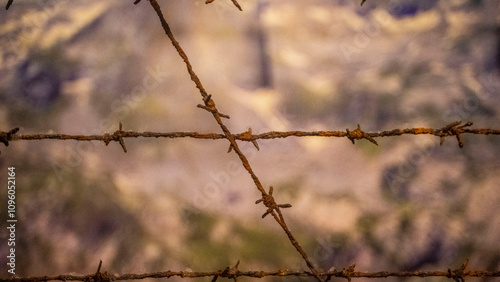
x,y
81,67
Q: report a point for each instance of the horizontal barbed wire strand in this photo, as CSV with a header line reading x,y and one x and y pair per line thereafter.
x,y
348,273
261,274
246,136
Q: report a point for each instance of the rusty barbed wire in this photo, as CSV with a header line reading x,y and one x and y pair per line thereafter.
x,y
452,129
233,272
209,106
235,3
9,4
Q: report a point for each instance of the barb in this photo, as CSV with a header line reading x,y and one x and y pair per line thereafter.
x,y
358,134
248,136
458,274
455,129
5,137
117,136
347,273
231,272
269,202
235,3
101,276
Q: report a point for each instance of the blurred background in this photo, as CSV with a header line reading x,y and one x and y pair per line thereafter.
x,y
81,67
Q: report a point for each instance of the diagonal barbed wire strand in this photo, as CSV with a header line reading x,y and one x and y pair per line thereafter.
x,y
267,198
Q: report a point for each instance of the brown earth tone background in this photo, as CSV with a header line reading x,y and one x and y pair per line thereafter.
x,y
81,67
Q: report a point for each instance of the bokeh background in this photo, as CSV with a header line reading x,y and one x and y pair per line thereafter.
x,y
81,67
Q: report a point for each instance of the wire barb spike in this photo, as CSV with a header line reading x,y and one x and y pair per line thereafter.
x,y
248,136
358,134
5,137
231,272
210,106
116,136
235,3
453,129
270,203
458,274
346,273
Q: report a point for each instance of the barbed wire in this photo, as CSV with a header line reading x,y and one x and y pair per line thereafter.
x,y
452,129
209,105
9,3
235,3
348,273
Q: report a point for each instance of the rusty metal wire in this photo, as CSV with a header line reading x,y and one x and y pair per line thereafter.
x,y
209,106
453,129
9,4
232,273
